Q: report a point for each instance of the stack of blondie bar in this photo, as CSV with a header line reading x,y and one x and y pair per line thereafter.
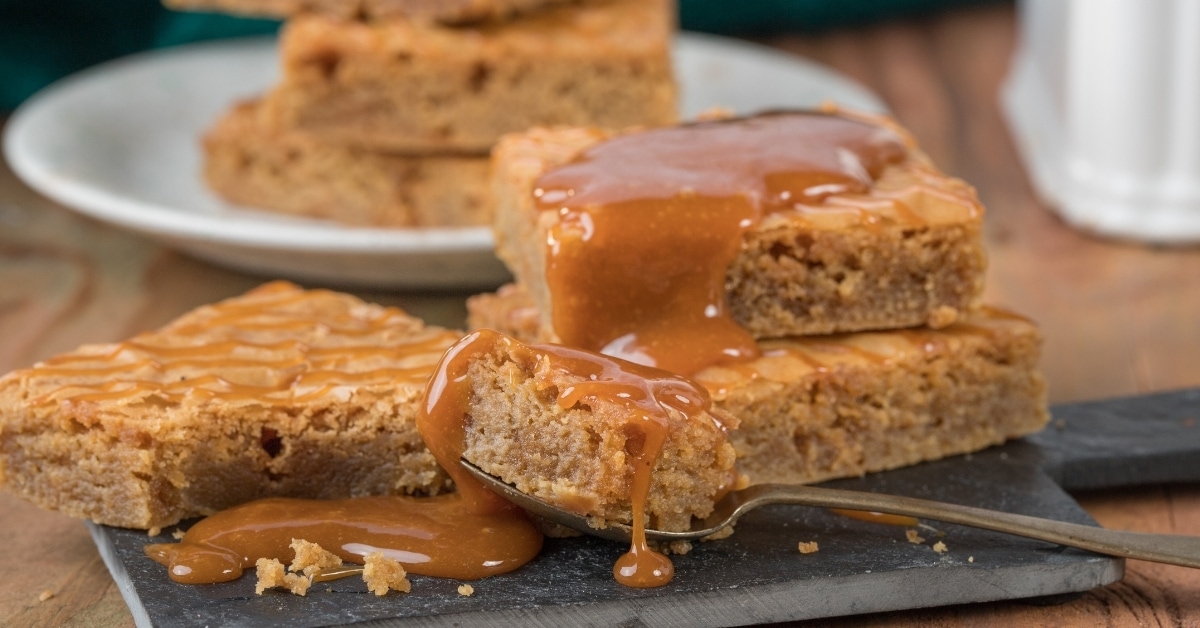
x,y
387,109
873,349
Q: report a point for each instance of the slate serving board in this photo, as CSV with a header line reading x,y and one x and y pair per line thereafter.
x,y
758,576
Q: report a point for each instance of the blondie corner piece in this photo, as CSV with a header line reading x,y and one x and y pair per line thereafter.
x,y
412,87
251,162
582,457
278,392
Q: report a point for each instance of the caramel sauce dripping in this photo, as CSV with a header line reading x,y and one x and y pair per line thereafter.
x,y
649,396
878,517
472,533
648,224
466,535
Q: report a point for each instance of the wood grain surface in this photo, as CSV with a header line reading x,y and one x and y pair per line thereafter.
x,y
1119,318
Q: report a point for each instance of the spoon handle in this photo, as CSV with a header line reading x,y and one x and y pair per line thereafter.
x,y
1161,548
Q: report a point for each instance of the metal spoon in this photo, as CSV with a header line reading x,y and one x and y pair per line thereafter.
x,y
1160,548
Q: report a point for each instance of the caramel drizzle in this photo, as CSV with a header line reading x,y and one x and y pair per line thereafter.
x,y
649,395
648,224
469,534
233,341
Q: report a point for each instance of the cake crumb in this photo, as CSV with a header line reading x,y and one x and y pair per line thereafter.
x,y
155,531
913,537
809,547
178,534
45,595
466,590
1060,425
312,558
970,559
382,574
271,574
679,547
939,547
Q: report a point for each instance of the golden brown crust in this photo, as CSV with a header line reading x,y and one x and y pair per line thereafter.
x,y
250,162
822,407
417,88
277,392
908,253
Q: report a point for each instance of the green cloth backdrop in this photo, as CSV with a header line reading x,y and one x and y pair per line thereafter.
x,y
42,40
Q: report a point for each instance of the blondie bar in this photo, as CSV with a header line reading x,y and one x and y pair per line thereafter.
x,y
570,427
415,87
822,407
279,392
789,223
251,162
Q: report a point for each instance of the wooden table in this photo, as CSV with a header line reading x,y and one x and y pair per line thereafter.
x,y
1119,319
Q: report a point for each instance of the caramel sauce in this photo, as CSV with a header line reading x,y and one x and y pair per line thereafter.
x,y
467,535
648,224
233,351
472,533
649,395
448,536
878,517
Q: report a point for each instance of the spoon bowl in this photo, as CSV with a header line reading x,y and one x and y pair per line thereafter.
x,y
1161,548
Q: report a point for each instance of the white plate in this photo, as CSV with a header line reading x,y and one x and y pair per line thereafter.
x,y
119,142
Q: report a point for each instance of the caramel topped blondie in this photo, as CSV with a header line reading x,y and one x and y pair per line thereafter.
x,y
280,391
645,243
575,429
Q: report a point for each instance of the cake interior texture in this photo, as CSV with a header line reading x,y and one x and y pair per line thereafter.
x,y
581,457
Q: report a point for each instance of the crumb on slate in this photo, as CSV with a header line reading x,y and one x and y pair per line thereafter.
x,y
383,574
311,558
271,574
